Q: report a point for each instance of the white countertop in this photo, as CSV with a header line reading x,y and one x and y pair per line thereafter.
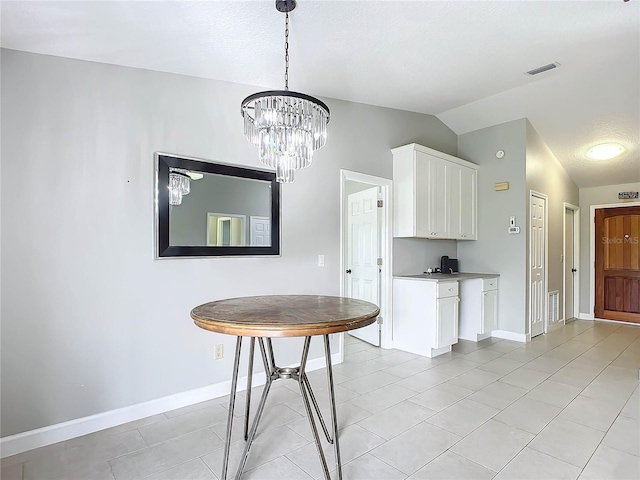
x,y
444,277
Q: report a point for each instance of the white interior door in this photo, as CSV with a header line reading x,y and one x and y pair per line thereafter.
x,y
537,262
260,231
569,264
363,272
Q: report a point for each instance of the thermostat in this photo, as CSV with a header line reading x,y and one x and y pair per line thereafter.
x,y
512,226
500,154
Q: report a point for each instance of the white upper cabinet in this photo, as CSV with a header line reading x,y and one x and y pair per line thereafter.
x,y
434,194
468,210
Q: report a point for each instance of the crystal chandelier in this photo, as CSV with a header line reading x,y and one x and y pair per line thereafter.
x,y
179,185
287,127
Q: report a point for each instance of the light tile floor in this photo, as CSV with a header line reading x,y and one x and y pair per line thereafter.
x,y
565,405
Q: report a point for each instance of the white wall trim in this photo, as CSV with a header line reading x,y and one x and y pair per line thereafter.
x,y
516,337
386,340
40,437
586,316
576,258
592,250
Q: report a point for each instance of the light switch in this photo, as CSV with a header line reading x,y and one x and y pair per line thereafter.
x,y
321,260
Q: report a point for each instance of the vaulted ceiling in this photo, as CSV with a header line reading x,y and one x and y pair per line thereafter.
x,y
464,61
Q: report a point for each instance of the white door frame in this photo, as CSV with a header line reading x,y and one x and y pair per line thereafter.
x,y
545,322
386,247
576,259
592,256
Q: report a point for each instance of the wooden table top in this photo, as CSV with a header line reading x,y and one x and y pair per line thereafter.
x,y
284,315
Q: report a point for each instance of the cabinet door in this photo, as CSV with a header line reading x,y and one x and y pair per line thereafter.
x,y
468,195
438,198
489,311
454,200
423,200
447,321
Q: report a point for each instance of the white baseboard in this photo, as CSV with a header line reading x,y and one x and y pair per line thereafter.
x,y
586,316
516,337
21,442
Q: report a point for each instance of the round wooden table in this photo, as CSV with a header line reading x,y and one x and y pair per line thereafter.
x,y
265,317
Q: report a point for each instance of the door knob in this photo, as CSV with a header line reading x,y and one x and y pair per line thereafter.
x,y
349,271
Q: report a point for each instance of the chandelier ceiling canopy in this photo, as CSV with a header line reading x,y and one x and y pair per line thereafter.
x,y
287,127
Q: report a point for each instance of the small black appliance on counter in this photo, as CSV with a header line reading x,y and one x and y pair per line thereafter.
x,y
448,265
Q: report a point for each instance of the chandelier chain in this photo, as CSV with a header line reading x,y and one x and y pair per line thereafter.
x,y
287,127
286,52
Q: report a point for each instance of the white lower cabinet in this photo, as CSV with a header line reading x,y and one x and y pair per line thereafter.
x,y
479,308
447,321
489,311
425,316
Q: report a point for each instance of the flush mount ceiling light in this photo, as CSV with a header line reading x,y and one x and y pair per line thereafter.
x,y
605,151
287,127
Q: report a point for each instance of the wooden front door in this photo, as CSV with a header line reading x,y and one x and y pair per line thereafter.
x,y
618,264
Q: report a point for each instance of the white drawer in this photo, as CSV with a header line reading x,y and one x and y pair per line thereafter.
x,y
447,289
489,284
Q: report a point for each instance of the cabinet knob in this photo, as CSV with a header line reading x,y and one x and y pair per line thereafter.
x,y
348,271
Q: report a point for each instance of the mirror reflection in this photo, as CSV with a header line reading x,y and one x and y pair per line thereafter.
x,y
211,209
222,211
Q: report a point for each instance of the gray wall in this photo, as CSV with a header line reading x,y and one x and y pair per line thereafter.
x,y
90,322
217,194
528,164
546,175
413,255
594,196
496,250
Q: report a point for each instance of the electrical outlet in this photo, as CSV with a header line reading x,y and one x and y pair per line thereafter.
x,y
218,352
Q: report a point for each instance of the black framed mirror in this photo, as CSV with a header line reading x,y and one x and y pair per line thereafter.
x,y
206,209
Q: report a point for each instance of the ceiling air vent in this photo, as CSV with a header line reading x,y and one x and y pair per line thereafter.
x,y
544,68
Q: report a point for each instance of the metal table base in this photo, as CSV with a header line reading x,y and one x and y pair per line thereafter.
x,y
273,372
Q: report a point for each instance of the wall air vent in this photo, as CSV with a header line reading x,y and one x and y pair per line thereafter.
x,y
544,68
554,310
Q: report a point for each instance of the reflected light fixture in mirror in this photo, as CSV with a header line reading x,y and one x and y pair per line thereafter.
x,y
180,184
287,127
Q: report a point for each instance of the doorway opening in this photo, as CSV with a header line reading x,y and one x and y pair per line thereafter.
x,y
538,283
571,258
366,249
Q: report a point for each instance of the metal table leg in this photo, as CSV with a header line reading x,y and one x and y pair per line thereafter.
x,y
332,398
272,373
232,402
249,378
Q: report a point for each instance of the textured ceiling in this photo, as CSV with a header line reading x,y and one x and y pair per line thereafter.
x,y
461,61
